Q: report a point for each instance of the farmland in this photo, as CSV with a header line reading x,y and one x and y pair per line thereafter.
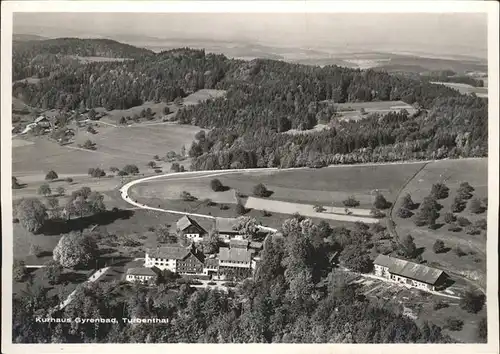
x,y
452,173
352,110
466,89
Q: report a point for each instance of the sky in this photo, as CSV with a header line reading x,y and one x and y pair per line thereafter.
x,y
432,33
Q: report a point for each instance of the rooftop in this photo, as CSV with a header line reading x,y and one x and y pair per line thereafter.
x,y
225,225
234,255
234,243
409,269
141,271
169,252
186,221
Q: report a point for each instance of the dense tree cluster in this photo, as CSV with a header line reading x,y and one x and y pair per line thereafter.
x,y
295,297
266,98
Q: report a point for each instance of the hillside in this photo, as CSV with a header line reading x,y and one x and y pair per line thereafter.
x,y
265,98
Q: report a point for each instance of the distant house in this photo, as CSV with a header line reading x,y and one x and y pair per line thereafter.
x,y
190,228
409,273
177,259
235,261
142,274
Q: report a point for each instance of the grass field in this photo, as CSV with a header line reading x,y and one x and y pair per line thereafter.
x,y
114,147
452,173
466,89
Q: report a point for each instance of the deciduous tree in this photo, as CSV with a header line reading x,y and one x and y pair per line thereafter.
x,y
75,249
31,213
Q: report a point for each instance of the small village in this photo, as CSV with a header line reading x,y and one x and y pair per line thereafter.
x,y
236,260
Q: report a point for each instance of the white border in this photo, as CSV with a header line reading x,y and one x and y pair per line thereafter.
x,y
491,7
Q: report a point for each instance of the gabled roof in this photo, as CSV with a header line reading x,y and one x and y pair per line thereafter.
x,y
408,269
169,252
234,254
256,245
141,271
234,243
225,225
184,222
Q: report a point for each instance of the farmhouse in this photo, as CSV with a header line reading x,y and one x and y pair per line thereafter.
x,y
141,274
177,259
190,228
409,273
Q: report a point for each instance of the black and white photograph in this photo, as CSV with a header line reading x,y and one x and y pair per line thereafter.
x,y
197,173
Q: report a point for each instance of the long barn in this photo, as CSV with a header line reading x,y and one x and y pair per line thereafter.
x,y
409,273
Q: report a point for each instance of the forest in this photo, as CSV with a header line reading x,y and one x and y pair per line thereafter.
x,y
265,99
296,296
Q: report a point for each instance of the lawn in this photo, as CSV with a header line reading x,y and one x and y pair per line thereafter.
x,y
329,186
452,172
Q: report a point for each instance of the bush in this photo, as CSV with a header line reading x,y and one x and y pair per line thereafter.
x,y
440,304
216,185
69,179
454,324
449,218
472,230
240,209
175,167
463,221
96,172
404,213
266,213
260,190
482,329
458,205
438,246
454,228
351,202
187,197
18,270
44,190
475,206
36,250
15,183
319,208
377,213
380,202
472,301
51,175
439,191
459,251
408,202
151,164
131,169
114,169
122,173
482,224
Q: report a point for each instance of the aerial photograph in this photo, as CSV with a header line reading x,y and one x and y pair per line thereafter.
x,y
249,178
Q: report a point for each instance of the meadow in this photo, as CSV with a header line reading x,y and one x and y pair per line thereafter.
x,y
452,173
